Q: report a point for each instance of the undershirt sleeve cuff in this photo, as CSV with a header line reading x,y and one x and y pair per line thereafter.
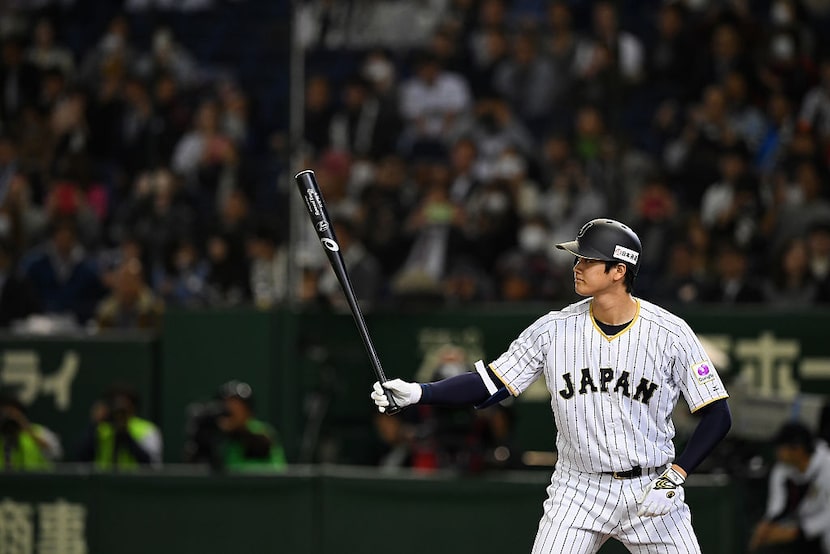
x,y
485,376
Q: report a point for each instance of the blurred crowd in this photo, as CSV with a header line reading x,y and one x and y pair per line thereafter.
x,y
704,125
128,179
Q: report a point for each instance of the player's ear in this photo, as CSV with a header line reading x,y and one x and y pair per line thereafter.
x,y
620,271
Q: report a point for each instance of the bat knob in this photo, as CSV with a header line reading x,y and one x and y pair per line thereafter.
x,y
392,408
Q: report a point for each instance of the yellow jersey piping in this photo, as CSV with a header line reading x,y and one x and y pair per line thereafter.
x,y
503,382
624,330
710,402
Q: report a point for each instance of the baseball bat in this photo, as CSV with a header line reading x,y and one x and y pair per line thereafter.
x,y
316,206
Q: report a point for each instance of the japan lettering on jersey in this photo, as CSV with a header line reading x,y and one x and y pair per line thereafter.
x,y
612,397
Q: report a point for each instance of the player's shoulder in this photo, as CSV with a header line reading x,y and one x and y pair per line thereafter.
x,y
570,311
663,317
575,309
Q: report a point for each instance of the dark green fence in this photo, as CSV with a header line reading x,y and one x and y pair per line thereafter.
x,y
307,511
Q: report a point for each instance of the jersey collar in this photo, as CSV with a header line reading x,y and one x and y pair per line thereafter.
x,y
623,330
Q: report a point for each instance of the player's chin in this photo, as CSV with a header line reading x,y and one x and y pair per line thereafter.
x,y
581,289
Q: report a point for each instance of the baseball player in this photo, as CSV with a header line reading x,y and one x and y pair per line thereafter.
x,y
615,366
798,502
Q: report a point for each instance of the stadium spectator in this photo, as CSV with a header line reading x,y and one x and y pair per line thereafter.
x,y
9,164
19,80
117,439
364,270
45,53
319,112
181,280
727,52
814,113
495,129
778,133
227,280
357,127
487,15
818,248
382,212
63,274
730,207
157,214
562,42
487,56
528,81
132,303
144,140
269,275
745,117
23,221
25,446
17,297
733,282
112,57
433,101
527,272
665,67
655,219
790,283
684,281
167,56
206,159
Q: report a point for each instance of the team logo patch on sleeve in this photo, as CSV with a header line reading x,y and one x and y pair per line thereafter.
x,y
704,372
626,254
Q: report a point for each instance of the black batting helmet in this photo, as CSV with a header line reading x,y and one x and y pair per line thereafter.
x,y
607,240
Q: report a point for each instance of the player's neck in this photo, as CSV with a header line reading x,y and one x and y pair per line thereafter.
x,y
614,308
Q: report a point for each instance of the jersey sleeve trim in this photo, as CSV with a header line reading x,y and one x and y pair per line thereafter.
x,y
488,382
513,391
711,400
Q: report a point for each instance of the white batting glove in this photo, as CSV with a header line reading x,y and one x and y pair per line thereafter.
x,y
662,494
403,393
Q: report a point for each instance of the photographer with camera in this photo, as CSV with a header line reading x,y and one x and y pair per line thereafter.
x,y
225,434
117,438
24,446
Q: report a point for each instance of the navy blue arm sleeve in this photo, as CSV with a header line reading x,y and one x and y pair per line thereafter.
x,y
467,388
715,421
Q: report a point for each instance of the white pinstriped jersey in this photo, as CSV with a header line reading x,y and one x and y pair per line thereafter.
x,y
612,397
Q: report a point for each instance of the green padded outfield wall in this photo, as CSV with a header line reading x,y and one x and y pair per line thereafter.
x,y
316,511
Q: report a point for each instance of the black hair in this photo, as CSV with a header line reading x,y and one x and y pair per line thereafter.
x,y
240,390
9,398
628,280
122,390
795,433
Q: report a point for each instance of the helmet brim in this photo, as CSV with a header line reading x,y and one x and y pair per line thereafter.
x,y
574,248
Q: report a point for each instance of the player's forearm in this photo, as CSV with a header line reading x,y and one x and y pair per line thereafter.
x,y
467,388
715,422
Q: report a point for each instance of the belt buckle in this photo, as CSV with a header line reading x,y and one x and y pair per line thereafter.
x,y
618,475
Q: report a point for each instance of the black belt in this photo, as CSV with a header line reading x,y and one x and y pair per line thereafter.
x,y
635,471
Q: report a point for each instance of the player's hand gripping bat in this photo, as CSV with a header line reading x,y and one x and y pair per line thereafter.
x,y
313,198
